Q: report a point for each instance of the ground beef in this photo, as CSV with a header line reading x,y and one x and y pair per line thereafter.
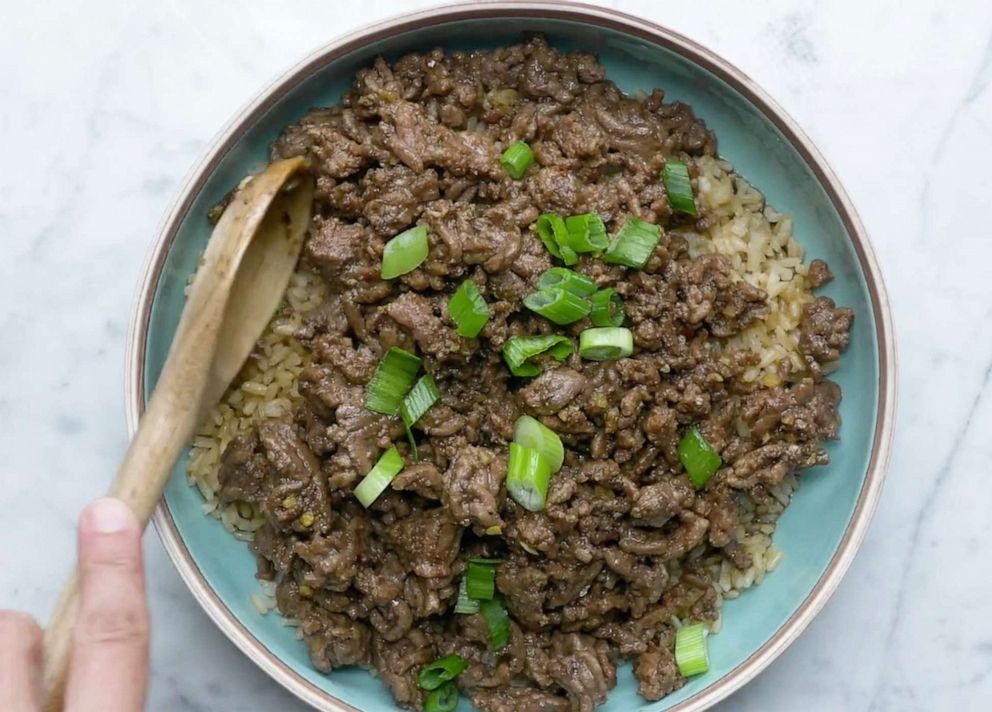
x,y
602,571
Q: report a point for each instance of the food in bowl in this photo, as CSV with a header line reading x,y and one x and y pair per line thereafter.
x,y
538,393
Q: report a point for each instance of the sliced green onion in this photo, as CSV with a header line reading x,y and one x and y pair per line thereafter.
x,y
415,403
698,457
391,381
679,187
498,622
516,159
465,605
691,653
488,562
379,477
558,305
405,252
480,581
440,671
551,229
443,699
519,350
527,478
608,343
553,233
607,308
532,433
633,244
567,279
586,233
468,309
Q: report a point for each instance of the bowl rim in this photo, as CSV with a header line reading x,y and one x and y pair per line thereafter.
x,y
646,30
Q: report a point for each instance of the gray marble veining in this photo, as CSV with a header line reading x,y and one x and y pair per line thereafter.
x,y
104,106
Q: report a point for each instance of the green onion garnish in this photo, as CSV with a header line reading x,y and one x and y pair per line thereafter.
x,y
379,477
405,252
488,562
465,605
440,671
527,478
698,457
532,433
690,650
498,622
558,305
519,350
392,379
516,159
468,309
608,343
553,233
586,233
480,581
567,279
607,308
679,187
417,402
443,699
633,244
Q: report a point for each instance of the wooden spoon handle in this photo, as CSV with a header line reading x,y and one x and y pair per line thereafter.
x,y
164,430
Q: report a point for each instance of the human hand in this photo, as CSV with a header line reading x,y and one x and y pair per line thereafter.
x,y
108,668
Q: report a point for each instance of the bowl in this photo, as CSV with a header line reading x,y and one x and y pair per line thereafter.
x,y
822,529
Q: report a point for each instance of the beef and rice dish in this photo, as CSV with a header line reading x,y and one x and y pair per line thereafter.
x,y
538,393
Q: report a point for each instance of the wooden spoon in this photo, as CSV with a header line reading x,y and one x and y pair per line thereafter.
x,y
241,281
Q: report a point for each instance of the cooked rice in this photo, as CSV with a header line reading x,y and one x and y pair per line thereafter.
x,y
760,247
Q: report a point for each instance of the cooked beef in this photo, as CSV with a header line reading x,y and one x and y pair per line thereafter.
x,y
825,330
518,699
819,274
622,546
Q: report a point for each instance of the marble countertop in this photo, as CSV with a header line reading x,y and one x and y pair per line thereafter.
x,y
104,107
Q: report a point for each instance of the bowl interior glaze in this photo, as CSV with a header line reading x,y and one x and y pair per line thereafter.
x,y
813,527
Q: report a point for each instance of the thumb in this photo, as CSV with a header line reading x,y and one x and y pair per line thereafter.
x,y
109,665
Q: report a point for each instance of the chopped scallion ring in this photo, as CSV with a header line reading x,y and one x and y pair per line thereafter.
x,y
498,622
586,233
569,280
553,233
528,477
607,308
691,652
609,343
480,581
442,670
418,401
678,185
532,433
379,477
465,605
516,159
558,305
468,309
518,352
405,252
551,229
698,457
443,699
391,381
633,244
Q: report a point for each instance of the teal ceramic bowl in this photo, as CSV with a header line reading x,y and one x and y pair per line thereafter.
x,y
819,533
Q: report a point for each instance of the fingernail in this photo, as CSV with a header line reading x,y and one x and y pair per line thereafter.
x,y
109,516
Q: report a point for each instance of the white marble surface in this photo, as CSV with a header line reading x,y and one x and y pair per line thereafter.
x,y
105,105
